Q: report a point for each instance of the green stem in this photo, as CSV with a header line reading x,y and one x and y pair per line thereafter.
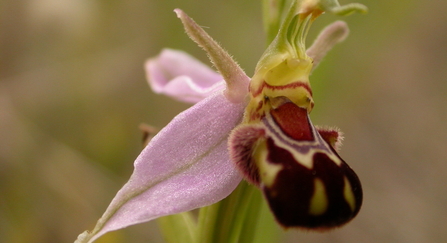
x,y
233,219
178,228
274,12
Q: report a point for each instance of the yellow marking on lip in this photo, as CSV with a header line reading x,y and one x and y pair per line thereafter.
x,y
349,195
318,202
267,170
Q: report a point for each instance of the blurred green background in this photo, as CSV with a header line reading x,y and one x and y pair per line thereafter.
x,y
73,92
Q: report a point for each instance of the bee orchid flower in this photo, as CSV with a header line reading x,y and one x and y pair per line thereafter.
x,y
194,161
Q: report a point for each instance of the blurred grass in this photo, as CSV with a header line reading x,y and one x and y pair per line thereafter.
x,y
73,92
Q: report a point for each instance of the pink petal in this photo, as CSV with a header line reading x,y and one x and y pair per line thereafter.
x,y
177,74
185,166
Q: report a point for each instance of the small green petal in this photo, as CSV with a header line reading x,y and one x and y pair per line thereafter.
x,y
274,11
334,7
234,76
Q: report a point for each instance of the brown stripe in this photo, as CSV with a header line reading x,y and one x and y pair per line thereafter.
x,y
282,87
